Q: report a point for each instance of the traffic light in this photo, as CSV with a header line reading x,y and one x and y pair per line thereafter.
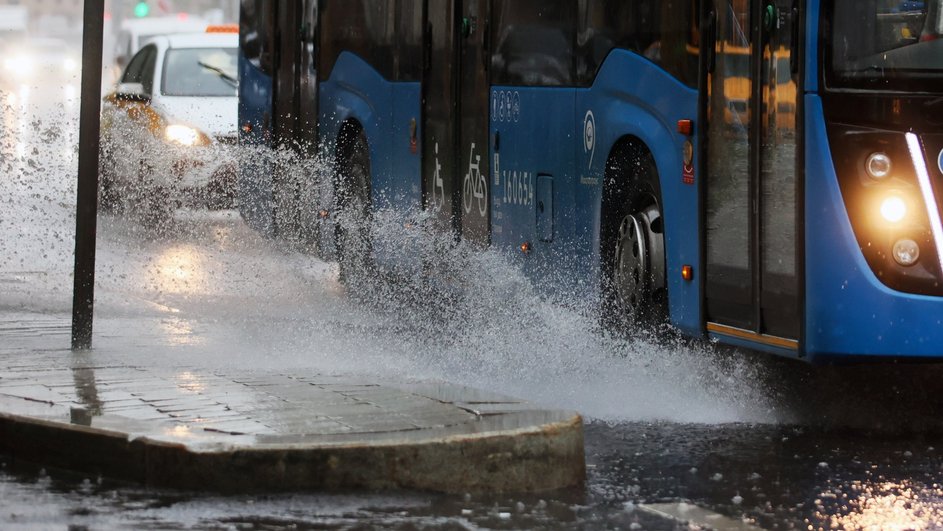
x,y
142,9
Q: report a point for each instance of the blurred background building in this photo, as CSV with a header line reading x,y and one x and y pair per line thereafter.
x,y
57,25
63,18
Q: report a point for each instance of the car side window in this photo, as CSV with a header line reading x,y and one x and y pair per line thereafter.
x,y
136,68
147,77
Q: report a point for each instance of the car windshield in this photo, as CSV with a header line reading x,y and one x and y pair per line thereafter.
x,y
200,72
887,45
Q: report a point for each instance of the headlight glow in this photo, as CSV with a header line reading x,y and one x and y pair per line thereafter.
x,y
70,65
20,64
893,209
183,135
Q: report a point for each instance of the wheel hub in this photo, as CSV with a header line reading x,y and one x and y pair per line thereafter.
x,y
631,274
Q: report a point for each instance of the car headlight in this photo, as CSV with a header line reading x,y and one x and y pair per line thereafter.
x,y
185,135
19,64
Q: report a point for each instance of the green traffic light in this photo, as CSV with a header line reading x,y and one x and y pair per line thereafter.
x,y
142,9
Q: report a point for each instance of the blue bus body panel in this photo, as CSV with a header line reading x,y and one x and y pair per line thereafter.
x,y
356,91
532,183
632,96
849,312
560,138
255,172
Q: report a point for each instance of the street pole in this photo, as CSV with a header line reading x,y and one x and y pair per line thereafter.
x,y
86,210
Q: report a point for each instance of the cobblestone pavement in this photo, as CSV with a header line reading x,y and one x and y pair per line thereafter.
x,y
225,412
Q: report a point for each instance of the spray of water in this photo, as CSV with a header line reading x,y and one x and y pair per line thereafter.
x,y
186,287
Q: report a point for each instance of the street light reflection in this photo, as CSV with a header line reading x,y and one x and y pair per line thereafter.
x,y
889,506
180,270
179,431
190,382
179,332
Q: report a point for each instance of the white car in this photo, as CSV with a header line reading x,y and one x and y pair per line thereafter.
x,y
169,130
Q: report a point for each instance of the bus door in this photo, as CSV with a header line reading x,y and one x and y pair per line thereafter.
x,y
440,113
753,226
296,117
455,107
285,119
474,105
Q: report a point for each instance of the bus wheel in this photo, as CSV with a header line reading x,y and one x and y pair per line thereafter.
x,y
638,266
354,252
635,286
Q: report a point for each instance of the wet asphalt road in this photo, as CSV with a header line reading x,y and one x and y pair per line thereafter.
x,y
778,477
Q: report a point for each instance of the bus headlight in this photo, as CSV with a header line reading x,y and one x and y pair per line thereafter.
x,y
893,209
878,166
906,252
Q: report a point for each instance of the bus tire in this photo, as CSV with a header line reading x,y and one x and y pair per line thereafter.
x,y
354,208
632,238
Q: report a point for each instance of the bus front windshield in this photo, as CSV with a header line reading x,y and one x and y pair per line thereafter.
x,y
887,45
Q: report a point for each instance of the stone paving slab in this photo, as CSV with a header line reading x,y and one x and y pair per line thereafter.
x,y
236,431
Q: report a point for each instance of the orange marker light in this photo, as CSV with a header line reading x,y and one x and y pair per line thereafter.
x,y
247,128
222,28
324,214
525,247
687,273
686,127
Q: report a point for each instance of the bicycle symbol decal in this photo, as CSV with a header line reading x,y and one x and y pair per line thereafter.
x,y
475,185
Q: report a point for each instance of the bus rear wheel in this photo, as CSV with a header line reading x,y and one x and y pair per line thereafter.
x,y
634,281
353,229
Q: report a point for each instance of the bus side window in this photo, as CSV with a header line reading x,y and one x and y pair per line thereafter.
x,y
664,32
365,28
408,53
533,42
256,33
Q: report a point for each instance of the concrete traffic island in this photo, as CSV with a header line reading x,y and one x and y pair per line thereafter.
x,y
244,431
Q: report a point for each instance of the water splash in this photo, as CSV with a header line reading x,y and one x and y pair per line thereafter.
x,y
199,288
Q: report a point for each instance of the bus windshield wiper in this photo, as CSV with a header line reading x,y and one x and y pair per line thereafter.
x,y
221,73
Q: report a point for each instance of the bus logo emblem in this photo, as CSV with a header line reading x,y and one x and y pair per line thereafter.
x,y
589,136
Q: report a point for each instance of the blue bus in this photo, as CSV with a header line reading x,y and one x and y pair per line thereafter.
x,y
766,173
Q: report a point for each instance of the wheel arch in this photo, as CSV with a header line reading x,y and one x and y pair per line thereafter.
x,y
617,178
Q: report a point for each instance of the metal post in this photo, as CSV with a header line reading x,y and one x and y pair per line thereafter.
x,y
86,211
